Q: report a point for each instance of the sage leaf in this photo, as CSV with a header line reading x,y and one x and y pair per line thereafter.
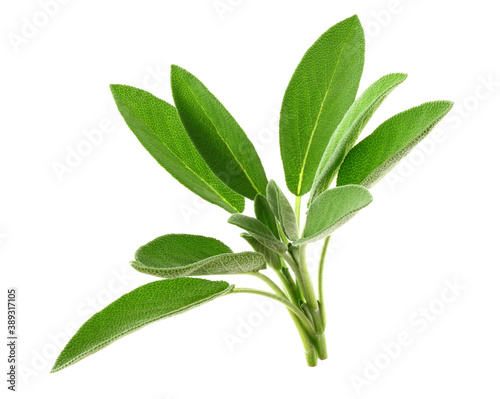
x,y
264,213
258,230
331,210
377,154
349,129
157,126
321,90
282,210
180,255
219,139
271,257
142,306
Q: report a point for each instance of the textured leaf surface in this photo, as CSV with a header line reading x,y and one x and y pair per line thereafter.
x,y
258,230
321,90
282,210
271,257
376,155
349,129
157,126
180,255
264,213
217,136
331,210
144,305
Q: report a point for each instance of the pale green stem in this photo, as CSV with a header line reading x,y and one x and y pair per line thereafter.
x,y
270,283
321,294
302,317
298,201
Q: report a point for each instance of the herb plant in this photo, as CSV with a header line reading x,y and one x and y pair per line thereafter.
x,y
202,146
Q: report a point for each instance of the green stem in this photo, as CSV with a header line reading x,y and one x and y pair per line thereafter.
x,y
270,283
302,317
321,294
298,201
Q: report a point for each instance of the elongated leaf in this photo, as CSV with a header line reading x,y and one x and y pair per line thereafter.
x,y
181,255
142,306
264,213
349,129
159,129
331,210
282,210
271,257
258,230
217,136
376,155
321,90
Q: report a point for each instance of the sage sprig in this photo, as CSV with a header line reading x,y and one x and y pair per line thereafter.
x,y
202,146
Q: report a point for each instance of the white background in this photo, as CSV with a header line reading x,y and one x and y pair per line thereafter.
x,y
434,219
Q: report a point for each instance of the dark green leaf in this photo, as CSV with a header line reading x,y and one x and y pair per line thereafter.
x,y
331,210
159,129
142,306
349,129
257,229
321,90
376,155
282,210
264,213
217,136
180,255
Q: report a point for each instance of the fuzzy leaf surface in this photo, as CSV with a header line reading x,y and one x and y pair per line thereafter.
x,y
142,306
321,90
157,126
215,133
282,210
264,213
377,154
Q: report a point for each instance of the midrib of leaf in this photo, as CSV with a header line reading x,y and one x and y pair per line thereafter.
x,y
192,171
222,138
301,174
114,338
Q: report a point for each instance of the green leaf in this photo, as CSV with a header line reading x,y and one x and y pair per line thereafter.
x,y
282,210
144,305
349,129
180,255
264,213
217,136
321,90
331,210
258,230
377,154
271,257
159,129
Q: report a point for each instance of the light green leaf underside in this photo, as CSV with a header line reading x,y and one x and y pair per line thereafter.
x,y
271,257
320,91
377,154
349,129
331,210
157,126
282,210
258,230
142,306
219,139
264,213
181,255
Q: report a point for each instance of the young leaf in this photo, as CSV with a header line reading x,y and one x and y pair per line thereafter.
x,y
159,129
176,255
347,133
377,154
282,210
144,305
271,257
217,136
331,210
321,90
264,213
258,230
